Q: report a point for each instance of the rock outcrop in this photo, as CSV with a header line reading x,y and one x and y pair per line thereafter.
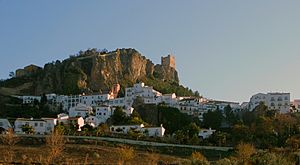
x,y
93,71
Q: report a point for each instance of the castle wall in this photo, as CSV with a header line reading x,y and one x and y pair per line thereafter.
x,y
168,61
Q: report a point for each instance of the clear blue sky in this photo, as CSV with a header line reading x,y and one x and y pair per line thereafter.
x,y
225,49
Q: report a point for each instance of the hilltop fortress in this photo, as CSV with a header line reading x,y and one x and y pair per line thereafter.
x,y
168,61
97,71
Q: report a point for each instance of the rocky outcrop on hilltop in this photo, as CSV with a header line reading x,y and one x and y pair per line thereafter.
x,y
95,71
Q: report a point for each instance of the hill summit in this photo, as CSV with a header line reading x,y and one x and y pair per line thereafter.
x,y
93,71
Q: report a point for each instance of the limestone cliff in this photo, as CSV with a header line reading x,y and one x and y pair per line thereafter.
x,y
94,71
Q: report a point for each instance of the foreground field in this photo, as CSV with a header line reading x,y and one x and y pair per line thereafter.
x,y
85,154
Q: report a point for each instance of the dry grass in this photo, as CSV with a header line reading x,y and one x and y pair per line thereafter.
x,y
245,151
9,140
85,154
125,154
55,144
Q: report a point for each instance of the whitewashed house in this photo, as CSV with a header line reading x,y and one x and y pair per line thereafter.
x,y
92,121
124,129
206,133
29,99
38,125
103,113
170,100
148,131
154,131
128,110
50,124
80,110
94,100
117,102
189,106
274,101
4,125
64,119
147,93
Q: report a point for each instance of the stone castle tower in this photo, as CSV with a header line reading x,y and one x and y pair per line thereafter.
x,y
168,61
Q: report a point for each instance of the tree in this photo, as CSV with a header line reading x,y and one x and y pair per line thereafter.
x,y
119,116
102,129
135,118
44,99
87,129
28,129
192,130
213,119
219,138
241,132
197,94
229,115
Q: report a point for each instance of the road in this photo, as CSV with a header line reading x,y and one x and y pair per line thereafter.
x,y
139,142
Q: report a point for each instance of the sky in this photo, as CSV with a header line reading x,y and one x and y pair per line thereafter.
x,y
225,49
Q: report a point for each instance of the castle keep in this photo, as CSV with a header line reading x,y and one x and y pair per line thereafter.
x,y
168,61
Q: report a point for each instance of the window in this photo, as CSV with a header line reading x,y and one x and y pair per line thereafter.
x,y
104,114
1,124
272,104
35,124
285,98
272,99
41,124
279,99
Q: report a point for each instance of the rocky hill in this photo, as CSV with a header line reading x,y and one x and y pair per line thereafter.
x,y
95,71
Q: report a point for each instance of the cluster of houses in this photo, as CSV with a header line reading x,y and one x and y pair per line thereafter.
x,y
98,108
103,103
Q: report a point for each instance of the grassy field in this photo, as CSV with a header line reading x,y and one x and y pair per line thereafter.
x,y
34,150
84,154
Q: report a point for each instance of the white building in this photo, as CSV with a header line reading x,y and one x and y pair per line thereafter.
x,y
80,110
94,100
29,99
189,106
147,131
147,93
103,113
124,129
50,124
118,102
92,121
274,101
235,106
205,133
170,100
4,124
154,131
40,126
